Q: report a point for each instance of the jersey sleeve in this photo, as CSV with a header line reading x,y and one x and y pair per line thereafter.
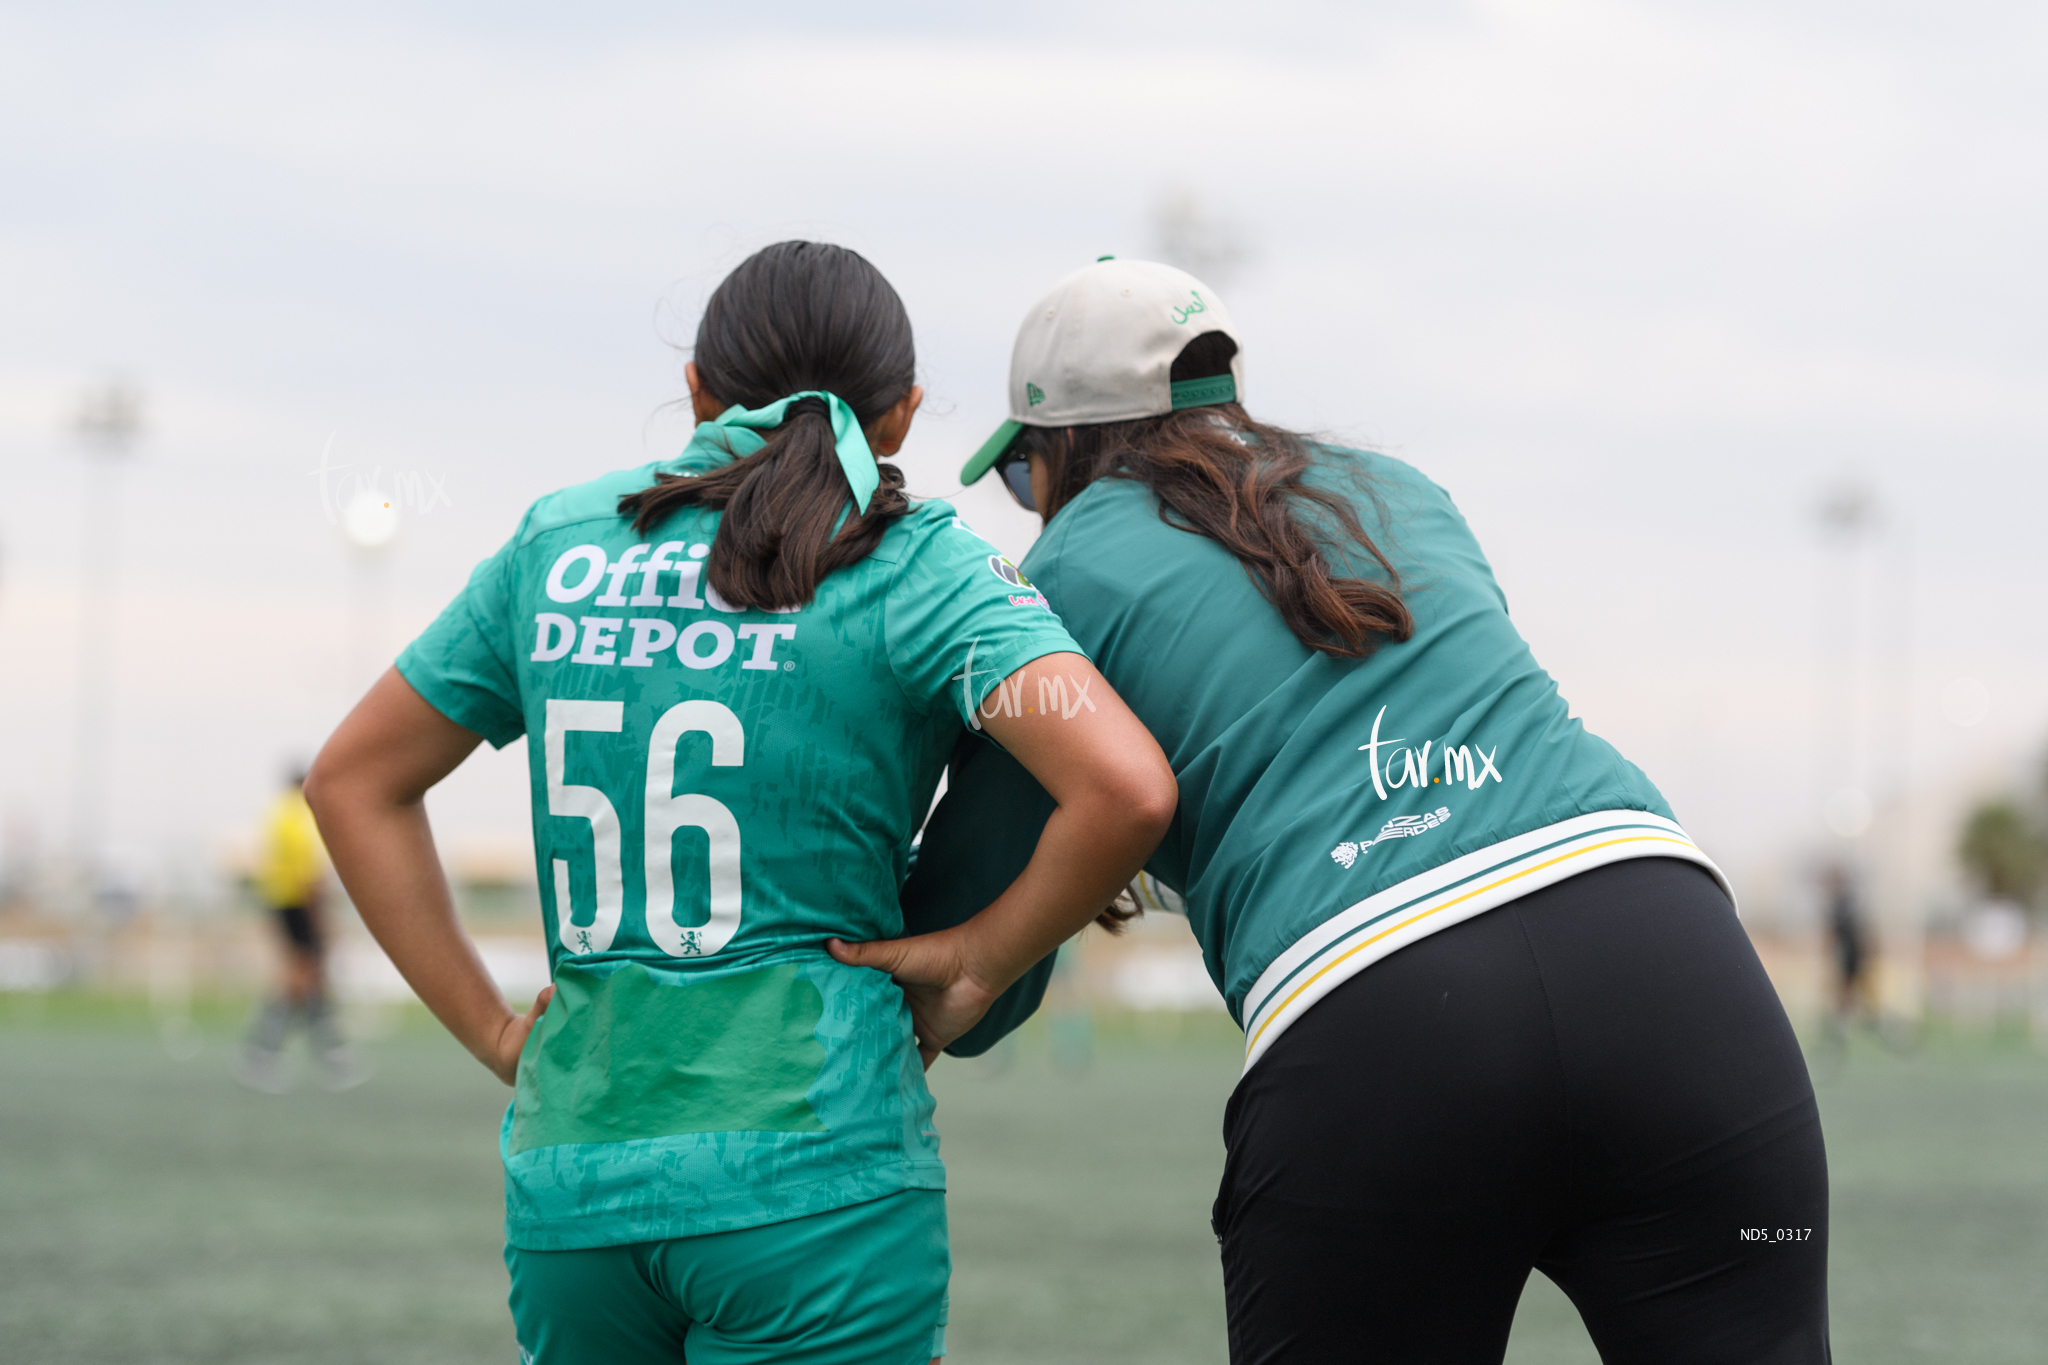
x,y
960,618
462,664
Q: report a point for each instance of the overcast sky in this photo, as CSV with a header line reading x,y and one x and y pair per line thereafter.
x,y
1636,283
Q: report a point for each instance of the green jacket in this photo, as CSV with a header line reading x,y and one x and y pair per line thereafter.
x,y
1331,809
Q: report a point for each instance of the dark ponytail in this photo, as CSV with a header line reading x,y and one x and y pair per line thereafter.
x,y
793,316
1217,472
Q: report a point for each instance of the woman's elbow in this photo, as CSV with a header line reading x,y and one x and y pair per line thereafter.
x,y
319,786
338,781
1148,801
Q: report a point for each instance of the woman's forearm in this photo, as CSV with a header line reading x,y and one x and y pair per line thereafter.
x,y
1116,796
368,790
384,854
1087,854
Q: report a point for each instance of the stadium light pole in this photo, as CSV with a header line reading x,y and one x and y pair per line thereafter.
x,y
107,425
1849,515
369,523
1874,571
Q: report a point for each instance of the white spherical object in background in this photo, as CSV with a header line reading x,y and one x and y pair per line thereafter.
x,y
370,520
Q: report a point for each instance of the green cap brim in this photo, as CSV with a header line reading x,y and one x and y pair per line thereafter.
x,y
983,460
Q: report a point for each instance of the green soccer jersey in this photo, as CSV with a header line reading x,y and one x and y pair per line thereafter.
x,y
1331,810
716,791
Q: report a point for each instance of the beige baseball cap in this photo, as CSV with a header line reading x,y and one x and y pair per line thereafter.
x,y
1100,348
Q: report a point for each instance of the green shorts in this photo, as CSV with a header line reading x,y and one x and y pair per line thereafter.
x,y
862,1285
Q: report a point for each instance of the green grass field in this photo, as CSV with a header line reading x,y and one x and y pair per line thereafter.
x,y
153,1211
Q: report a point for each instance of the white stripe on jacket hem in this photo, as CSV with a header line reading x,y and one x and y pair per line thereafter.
x,y
1347,943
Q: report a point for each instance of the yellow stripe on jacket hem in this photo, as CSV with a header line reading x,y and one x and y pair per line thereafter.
x,y
1508,881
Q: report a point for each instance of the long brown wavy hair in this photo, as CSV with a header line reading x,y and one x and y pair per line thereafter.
x,y
791,317
1241,483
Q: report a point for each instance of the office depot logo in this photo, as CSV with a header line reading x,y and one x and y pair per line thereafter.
x,y
637,641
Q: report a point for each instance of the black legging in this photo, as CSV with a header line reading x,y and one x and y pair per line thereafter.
x,y
1596,1080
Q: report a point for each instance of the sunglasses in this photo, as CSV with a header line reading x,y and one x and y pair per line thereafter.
x,y
1015,472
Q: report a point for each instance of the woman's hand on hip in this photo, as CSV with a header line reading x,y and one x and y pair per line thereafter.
x,y
946,995
1116,796
504,1060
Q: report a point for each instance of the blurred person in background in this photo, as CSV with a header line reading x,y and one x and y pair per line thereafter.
x,y
741,671
291,872
1853,948
1849,936
1500,1013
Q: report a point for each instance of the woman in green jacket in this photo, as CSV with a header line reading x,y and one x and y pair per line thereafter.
x,y
1498,1010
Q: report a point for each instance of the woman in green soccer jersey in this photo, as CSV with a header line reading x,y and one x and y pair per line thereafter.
x,y
742,671
1573,1061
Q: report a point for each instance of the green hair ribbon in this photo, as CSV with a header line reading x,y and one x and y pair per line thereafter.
x,y
735,434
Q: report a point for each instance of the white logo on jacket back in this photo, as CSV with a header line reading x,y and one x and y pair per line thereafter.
x,y
1396,763
1471,764
1400,827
